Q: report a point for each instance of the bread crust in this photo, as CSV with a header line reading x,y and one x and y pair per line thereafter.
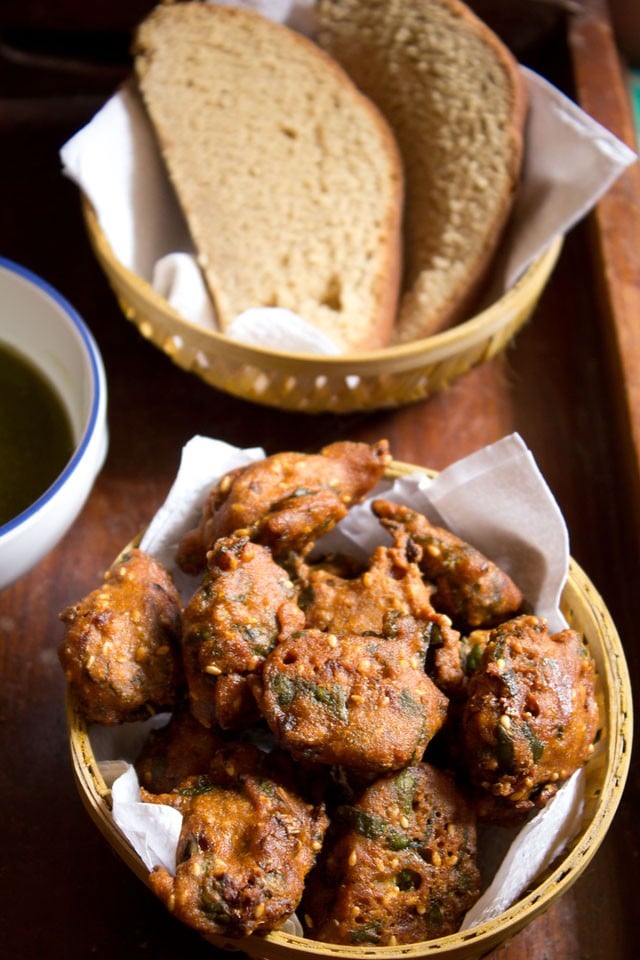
x,y
289,178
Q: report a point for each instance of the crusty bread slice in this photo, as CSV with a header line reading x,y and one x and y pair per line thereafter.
x,y
456,102
289,178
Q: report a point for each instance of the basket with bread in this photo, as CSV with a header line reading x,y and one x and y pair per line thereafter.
x,y
343,196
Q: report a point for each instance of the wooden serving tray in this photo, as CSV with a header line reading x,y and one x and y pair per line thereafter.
x,y
602,87
569,384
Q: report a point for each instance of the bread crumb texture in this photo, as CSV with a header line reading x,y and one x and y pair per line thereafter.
x,y
289,178
455,100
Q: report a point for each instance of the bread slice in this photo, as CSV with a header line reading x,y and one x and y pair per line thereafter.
x,y
289,178
456,102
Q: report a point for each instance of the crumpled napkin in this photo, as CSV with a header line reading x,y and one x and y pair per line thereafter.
x,y
570,162
498,500
534,847
527,536
152,829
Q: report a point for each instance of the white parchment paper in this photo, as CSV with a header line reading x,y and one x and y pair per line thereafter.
x,y
498,500
570,161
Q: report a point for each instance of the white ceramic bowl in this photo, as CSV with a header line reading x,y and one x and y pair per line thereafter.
x,y
41,325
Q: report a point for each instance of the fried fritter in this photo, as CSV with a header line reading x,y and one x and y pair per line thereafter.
x,y
398,866
530,718
287,500
230,625
469,588
120,651
183,748
390,586
362,702
247,842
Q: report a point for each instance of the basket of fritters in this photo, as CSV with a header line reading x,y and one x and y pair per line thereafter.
x,y
337,728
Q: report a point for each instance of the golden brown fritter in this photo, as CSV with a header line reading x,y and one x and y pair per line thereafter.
x,y
469,588
286,500
362,702
398,866
120,651
390,586
183,748
530,718
230,625
247,842
297,521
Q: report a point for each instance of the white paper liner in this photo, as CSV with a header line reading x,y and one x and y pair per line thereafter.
x,y
498,500
535,846
152,829
570,161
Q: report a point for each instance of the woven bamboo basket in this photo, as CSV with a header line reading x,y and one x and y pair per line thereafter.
x,y
606,774
308,383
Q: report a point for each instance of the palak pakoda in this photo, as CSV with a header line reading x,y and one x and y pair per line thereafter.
x,y
529,719
287,500
398,865
390,585
121,647
247,843
230,625
363,702
337,599
468,587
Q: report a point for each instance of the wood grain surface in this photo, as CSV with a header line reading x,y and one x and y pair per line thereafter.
x,y
569,384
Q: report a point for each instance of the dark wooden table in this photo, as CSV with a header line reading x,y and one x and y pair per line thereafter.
x,y
569,384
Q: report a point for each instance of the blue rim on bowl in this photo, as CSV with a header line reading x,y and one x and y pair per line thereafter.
x,y
98,401
43,326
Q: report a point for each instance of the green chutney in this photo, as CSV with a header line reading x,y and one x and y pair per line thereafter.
x,y
36,439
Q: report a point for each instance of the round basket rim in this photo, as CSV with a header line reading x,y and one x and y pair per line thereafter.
x,y
489,320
